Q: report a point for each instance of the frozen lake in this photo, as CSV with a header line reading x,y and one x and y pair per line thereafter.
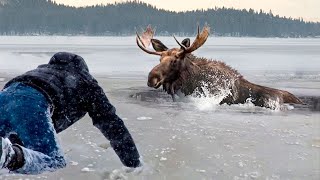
x,y
193,138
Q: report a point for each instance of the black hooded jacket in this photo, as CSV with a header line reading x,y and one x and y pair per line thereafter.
x,y
72,92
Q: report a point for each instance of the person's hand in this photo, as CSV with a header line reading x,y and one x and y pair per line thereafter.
x,y
136,170
124,172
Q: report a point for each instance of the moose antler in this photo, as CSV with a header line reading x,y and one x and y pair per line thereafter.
x,y
198,42
145,40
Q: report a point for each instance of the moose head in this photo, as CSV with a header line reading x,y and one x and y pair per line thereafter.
x,y
172,61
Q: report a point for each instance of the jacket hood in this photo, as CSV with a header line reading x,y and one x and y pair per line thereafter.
x,y
69,59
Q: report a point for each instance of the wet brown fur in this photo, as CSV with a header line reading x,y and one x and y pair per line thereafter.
x,y
199,69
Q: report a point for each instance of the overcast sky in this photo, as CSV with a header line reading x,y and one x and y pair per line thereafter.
x,y
308,9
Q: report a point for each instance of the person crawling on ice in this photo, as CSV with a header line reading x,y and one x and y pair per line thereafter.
x,y
47,100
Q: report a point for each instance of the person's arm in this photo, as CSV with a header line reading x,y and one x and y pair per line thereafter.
x,y
104,117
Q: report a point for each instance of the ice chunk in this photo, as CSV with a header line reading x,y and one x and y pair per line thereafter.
x,y
117,175
254,175
201,170
163,159
105,145
317,146
241,164
73,163
86,169
144,118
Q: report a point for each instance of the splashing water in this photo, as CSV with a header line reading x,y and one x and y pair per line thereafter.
x,y
204,99
277,106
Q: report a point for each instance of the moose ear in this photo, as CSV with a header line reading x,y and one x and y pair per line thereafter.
x,y
158,45
186,42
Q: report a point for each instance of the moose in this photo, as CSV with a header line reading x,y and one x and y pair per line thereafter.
x,y
180,70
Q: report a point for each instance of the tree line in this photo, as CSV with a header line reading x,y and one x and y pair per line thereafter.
x,y
45,17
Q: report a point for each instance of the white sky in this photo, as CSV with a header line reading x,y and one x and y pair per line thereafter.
x,y
308,9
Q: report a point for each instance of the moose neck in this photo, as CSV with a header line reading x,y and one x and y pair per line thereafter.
x,y
189,71
189,68
197,71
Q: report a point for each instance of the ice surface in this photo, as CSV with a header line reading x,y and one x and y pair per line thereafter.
x,y
194,138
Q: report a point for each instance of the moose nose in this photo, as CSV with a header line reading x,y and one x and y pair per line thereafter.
x,y
154,79
152,82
